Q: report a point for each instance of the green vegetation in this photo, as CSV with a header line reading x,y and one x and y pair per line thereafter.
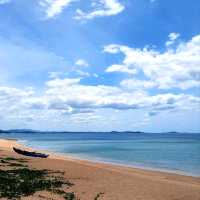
x,y
21,181
69,196
15,159
18,181
8,161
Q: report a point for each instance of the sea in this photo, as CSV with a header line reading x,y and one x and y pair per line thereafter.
x,y
170,152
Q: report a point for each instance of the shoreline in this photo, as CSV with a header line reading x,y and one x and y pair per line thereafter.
x,y
113,181
66,156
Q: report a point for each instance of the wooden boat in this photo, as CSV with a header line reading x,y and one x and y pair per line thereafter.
x,y
29,153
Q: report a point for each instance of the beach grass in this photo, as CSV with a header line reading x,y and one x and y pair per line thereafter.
x,y
19,180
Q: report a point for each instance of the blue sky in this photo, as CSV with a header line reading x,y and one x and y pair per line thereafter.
x,y
100,65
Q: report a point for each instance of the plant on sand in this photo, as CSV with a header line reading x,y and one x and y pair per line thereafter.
x,y
18,182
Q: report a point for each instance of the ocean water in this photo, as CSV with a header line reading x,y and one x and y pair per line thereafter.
x,y
172,152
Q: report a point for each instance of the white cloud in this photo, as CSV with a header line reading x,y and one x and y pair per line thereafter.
x,y
104,8
101,8
56,83
80,66
137,84
63,98
65,93
69,99
174,68
12,100
121,68
172,38
54,7
82,73
86,118
81,63
55,75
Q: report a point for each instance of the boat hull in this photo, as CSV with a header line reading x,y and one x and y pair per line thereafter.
x,y
29,153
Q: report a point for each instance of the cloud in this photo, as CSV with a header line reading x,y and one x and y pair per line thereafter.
x,y
121,68
176,67
12,100
172,38
65,93
63,98
68,98
80,66
102,8
137,84
56,83
86,118
81,63
54,7
54,75
82,73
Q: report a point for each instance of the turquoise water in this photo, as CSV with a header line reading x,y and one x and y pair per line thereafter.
x,y
168,152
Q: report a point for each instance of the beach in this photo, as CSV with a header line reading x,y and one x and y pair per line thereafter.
x,y
110,182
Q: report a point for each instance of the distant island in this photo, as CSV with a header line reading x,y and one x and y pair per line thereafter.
x,y
38,131
116,132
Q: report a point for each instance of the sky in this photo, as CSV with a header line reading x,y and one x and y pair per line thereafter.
x,y
100,65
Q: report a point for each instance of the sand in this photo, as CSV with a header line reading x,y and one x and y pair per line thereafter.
x,y
114,182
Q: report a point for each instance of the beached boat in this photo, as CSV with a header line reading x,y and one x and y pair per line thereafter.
x,y
29,153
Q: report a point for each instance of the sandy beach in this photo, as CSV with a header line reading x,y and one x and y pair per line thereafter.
x,y
109,181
